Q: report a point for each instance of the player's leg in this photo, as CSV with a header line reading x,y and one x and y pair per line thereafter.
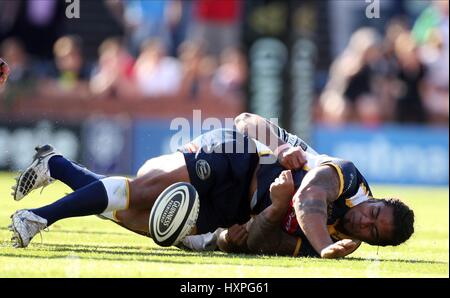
x,y
47,166
154,176
102,196
70,173
134,220
106,195
159,173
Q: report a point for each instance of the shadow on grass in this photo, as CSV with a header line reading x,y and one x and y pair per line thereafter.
x,y
88,232
173,255
123,253
393,260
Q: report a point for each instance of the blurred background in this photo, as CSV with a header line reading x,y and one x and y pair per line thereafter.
x,y
365,80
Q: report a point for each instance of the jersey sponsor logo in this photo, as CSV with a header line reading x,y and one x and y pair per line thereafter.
x,y
203,169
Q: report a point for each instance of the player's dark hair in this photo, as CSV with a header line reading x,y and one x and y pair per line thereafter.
x,y
403,222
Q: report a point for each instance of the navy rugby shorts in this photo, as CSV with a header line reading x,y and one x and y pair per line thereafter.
x,y
221,164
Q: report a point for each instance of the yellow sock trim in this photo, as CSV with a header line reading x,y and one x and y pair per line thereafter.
x,y
115,216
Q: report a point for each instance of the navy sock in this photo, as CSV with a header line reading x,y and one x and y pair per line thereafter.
x,y
88,200
70,173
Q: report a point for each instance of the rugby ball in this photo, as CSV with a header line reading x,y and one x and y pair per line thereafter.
x,y
174,214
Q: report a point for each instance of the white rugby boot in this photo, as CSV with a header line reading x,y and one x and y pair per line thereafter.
x,y
36,175
25,225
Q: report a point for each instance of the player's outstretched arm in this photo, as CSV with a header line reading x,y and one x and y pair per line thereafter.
x,y
319,188
268,133
265,235
259,128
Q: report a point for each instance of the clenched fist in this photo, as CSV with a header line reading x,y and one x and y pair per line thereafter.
x,y
282,190
292,158
4,72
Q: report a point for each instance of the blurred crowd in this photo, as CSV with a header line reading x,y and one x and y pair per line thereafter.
x,y
186,48
401,75
169,48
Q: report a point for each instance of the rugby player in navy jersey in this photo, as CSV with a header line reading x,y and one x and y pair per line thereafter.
x,y
327,200
331,210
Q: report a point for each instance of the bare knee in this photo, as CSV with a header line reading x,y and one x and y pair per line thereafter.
x,y
143,190
164,163
157,175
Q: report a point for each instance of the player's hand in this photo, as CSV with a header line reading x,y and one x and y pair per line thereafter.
x,y
292,158
237,235
282,190
234,239
340,249
4,72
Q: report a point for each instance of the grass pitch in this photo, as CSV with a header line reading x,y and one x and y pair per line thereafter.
x,y
91,247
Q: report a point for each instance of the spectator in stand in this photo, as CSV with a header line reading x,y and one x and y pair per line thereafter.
x,y
144,20
70,74
13,51
8,15
180,16
156,73
394,29
21,76
112,77
431,33
410,75
356,79
197,70
231,75
37,23
216,22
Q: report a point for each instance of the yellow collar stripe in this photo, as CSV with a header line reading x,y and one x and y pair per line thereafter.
x,y
335,233
297,247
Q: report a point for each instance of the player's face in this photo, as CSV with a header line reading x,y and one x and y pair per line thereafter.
x,y
371,222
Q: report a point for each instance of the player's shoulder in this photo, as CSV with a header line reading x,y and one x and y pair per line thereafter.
x,y
351,179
